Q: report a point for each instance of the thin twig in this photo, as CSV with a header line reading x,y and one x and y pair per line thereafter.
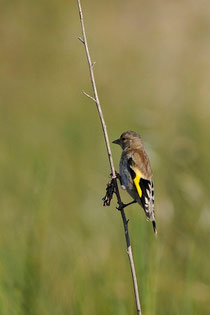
x,y
90,64
81,40
113,184
92,98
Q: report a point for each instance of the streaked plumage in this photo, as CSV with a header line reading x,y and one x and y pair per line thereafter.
x,y
136,173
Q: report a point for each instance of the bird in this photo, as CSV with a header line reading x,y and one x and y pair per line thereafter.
x,y
136,173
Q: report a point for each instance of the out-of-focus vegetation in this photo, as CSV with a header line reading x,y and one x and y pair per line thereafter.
x,y
61,252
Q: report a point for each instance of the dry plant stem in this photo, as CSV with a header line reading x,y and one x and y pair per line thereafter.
x,y
114,179
96,99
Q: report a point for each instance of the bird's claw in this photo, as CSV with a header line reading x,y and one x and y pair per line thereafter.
x,y
124,205
121,206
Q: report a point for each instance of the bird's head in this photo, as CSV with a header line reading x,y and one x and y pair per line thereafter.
x,y
129,139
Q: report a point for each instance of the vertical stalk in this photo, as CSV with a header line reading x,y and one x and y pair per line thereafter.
x,y
114,179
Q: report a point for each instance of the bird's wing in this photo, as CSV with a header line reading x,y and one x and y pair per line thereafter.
x,y
143,184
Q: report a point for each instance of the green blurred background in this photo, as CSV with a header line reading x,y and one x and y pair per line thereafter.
x,y
61,252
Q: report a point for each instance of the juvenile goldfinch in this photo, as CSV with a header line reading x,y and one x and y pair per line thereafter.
x,y
136,173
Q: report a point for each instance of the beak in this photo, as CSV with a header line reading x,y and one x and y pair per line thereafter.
x,y
116,141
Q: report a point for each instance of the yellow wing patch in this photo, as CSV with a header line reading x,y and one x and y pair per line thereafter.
x,y
136,182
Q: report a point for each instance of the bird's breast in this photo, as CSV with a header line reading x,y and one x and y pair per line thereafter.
x,y
125,174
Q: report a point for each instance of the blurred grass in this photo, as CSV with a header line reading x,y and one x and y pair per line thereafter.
x,y
61,252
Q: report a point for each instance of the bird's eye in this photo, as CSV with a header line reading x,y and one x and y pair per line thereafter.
x,y
123,139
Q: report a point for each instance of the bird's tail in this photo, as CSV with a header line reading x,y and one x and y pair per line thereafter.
x,y
154,227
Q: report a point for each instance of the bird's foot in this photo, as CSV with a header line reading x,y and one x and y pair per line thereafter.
x,y
124,205
118,176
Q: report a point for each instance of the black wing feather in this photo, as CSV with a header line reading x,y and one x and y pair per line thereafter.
x,y
147,194
147,198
